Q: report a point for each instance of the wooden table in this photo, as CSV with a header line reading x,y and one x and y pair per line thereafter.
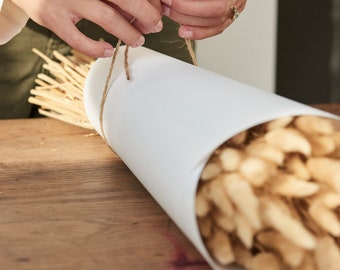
x,y
68,202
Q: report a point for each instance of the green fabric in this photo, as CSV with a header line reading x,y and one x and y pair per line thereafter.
x,y
19,66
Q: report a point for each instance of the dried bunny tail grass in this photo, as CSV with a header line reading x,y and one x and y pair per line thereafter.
x,y
60,94
274,193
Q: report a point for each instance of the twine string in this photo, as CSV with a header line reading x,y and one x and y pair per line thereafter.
x,y
190,48
106,89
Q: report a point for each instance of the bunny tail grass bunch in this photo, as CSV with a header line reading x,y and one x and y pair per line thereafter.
x,y
269,198
59,94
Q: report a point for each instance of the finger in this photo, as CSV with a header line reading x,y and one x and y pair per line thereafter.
x,y
62,23
193,20
143,12
210,8
129,18
158,5
197,33
203,9
192,29
112,21
68,32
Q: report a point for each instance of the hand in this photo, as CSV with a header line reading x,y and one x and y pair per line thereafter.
x,y
114,16
200,19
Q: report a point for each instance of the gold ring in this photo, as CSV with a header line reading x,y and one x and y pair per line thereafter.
x,y
235,13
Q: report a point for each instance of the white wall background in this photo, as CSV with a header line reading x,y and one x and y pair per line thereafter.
x,y
246,50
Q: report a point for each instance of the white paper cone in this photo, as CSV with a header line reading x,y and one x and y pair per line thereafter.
x,y
167,120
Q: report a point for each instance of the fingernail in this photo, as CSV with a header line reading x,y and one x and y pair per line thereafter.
x,y
108,53
139,42
158,27
185,33
167,2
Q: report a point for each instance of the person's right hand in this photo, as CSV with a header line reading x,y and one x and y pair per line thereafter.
x,y
114,16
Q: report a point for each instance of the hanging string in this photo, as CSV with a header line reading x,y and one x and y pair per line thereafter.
x,y
126,63
191,50
106,89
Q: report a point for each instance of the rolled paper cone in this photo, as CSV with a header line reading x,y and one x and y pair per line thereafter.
x,y
169,118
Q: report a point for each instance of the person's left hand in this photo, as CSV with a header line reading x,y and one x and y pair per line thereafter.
x,y
200,19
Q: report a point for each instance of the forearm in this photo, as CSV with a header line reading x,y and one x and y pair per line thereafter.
x,y
12,20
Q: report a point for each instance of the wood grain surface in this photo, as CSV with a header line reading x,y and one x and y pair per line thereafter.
x,y
68,202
